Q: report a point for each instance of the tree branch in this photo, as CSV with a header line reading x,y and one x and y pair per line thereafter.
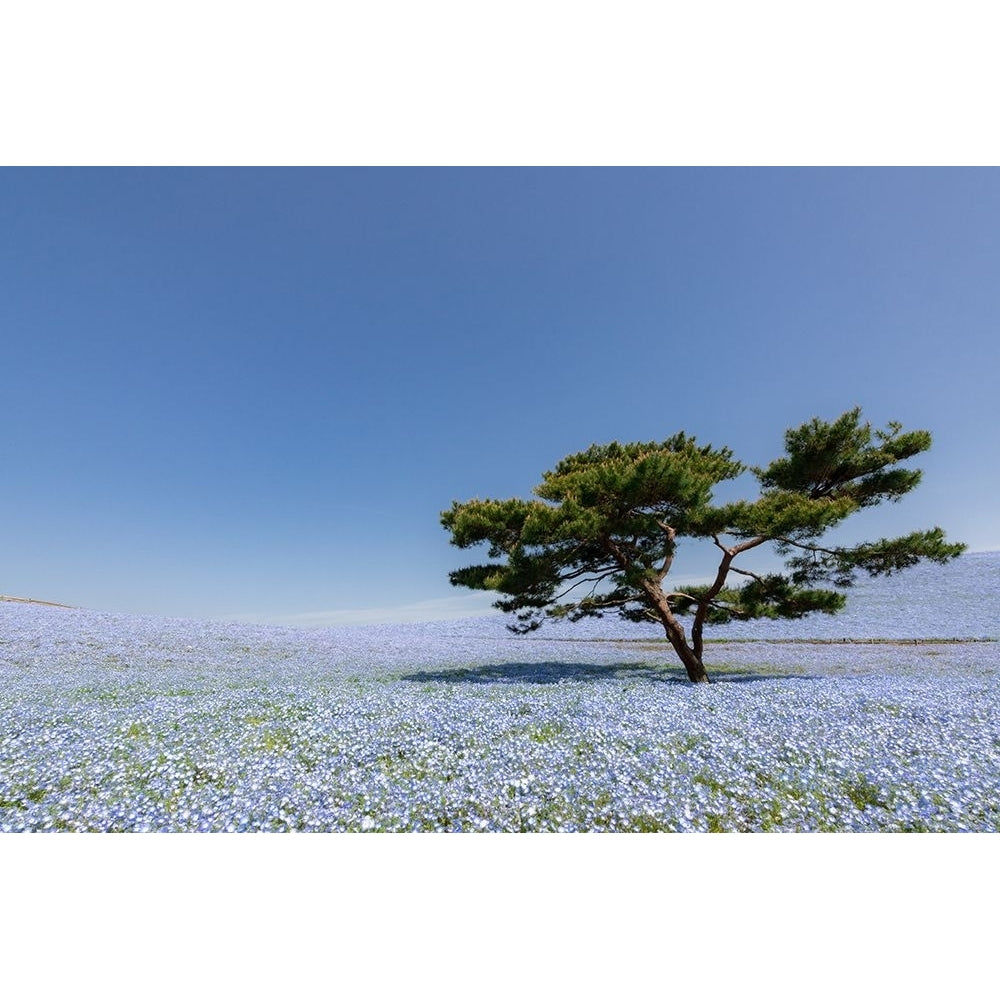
x,y
810,548
751,543
563,577
720,581
715,538
746,572
671,548
616,553
680,593
594,580
701,600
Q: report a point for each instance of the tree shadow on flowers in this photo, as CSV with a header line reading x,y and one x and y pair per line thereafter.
x,y
556,672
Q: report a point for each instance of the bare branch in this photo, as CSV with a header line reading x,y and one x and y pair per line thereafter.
x,y
590,568
594,580
810,548
616,553
616,603
715,538
712,604
668,557
751,543
746,572
720,581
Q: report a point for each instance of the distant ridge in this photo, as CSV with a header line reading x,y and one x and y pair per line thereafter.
x,y
32,600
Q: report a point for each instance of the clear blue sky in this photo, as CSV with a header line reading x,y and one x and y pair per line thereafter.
x,y
249,393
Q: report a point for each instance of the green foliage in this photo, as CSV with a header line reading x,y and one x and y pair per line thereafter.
x,y
601,535
771,596
881,558
838,459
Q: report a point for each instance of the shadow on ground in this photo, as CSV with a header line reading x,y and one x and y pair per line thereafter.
x,y
553,673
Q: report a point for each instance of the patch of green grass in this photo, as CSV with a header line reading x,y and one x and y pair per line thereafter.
x,y
400,766
681,743
91,693
206,776
772,816
645,823
764,669
546,732
709,781
864,793
22,797
275,740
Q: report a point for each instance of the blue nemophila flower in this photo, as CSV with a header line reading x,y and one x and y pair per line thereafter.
x,y
123,723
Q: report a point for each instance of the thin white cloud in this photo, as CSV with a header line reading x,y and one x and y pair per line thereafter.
x,y
440,609
473,605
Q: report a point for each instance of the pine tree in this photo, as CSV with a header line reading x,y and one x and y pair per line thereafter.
x,y
602,534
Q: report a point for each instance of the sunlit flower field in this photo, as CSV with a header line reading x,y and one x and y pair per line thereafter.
x,y
119,723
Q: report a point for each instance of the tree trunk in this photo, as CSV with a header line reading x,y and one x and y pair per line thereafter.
x,y
675,634
697,673
692,663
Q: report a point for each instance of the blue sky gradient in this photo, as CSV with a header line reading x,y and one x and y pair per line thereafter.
x,y
249,393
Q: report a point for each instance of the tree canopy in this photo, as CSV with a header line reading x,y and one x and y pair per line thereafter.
x,y
601,535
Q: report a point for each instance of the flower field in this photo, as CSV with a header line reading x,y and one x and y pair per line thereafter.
x,y
121,723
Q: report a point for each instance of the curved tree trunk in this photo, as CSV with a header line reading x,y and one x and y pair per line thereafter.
x,y
675,634
687,654
692,662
